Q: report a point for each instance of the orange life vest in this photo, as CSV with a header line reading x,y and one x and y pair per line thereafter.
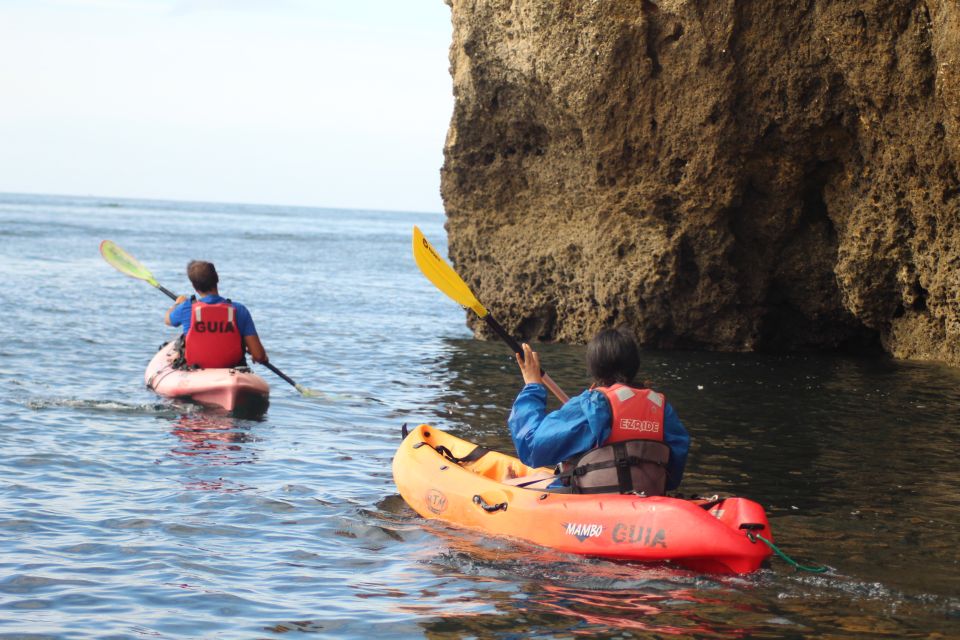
x,y
213,340
637,413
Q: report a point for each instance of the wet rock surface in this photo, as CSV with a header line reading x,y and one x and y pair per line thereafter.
x,y
723,175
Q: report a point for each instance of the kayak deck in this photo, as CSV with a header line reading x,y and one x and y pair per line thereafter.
x,y
230,388
710,536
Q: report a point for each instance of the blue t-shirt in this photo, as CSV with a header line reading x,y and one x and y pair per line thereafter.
x,y
181,316
583,423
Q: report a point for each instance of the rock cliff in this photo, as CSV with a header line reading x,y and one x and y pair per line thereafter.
x,y
753,175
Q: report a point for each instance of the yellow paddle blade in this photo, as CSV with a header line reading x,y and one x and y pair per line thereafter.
x,y
125,263
442,274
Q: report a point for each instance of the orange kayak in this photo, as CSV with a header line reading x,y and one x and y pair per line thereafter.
x,y
704,535
230,389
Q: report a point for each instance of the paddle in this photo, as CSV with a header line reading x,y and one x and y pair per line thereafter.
x,y
449,282
128,265
299,387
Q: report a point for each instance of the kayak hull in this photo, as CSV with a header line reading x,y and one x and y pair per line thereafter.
x,y
229,389
708,536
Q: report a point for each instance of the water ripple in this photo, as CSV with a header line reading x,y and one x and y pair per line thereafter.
x,y
126,515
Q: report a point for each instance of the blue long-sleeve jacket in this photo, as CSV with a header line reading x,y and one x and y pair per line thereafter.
x,y
583,423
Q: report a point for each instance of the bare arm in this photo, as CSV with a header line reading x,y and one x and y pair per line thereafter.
x,y
255,349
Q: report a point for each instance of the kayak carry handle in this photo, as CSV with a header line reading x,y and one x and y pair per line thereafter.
x,y
489,508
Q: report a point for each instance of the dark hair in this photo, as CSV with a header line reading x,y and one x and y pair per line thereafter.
x,y
203,275
613,356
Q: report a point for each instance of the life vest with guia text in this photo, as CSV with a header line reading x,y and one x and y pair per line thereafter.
x,y
213,340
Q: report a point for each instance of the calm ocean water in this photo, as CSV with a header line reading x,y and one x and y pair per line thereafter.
x,y
122,515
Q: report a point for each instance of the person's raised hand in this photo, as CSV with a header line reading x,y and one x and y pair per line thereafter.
x,y
529,365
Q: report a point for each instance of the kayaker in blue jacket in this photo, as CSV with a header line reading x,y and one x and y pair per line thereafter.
x,y
585,422
226,328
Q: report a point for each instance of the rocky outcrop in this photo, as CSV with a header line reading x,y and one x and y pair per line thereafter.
x,y
714,174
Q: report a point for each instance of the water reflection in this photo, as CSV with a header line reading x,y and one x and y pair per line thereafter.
x,y
671,612
212,439
543,592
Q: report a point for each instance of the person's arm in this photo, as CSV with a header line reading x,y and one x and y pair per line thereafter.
x,y
251,341
166,319
676,437
255,349
545,439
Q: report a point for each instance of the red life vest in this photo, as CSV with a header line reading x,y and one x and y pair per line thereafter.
x,y
637,413
213,340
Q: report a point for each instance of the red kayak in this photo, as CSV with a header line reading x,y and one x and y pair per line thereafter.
x,y
230,389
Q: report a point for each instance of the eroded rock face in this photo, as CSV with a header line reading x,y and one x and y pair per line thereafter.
x,y
714,174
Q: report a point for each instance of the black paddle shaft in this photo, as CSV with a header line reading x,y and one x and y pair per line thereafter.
x,y
506,337
285,377
172,295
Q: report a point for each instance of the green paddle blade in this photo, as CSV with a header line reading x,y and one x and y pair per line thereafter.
x,y
310,393
125,263
442,274
325,397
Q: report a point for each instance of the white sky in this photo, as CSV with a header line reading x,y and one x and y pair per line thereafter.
x,y
329,103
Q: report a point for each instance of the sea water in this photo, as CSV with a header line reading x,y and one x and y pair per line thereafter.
x,y
126,515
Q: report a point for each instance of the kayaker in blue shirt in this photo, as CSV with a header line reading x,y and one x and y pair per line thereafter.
x,y
225,329
584,422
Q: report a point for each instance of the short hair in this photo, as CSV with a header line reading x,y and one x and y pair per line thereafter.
x,y
612,357
203,275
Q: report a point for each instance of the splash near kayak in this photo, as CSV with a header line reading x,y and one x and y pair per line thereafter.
x,y
231,389
446,478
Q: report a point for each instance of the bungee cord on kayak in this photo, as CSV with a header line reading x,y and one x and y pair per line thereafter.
x,y
788,559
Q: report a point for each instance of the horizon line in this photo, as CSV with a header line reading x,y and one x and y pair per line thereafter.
x,y
108,199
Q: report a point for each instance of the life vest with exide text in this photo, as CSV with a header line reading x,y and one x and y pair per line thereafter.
x,y
213,340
